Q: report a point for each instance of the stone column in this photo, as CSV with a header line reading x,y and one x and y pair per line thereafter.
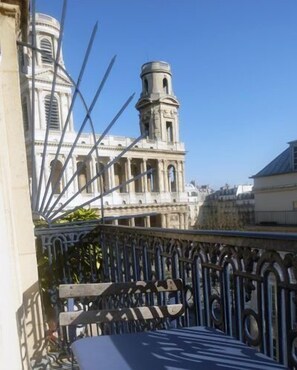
x,y
129,176
111,174
182,189
147,221
40,121
160,176
95,184
144,178
38,109
74,166
177,176
165,177
163,221
182,221
167,220
185,221
132,222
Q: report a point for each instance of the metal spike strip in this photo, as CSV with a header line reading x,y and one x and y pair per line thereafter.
x,y
86,119
99,173
86,57
51,220
51,102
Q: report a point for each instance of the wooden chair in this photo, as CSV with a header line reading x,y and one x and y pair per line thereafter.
x,y
152,299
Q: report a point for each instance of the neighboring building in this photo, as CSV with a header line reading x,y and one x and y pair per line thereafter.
x,y
158,199
196,196
227,208
275,189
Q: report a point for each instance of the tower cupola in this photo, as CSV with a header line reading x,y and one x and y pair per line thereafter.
x,y
156,80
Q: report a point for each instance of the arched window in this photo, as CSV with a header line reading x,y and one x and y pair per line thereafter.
x,y
165,85
56,169
52,119
47,51
152,181
135,171
103,177
171,179
82,177
119,177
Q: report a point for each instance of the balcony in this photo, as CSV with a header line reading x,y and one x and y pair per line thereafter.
x,y
243,283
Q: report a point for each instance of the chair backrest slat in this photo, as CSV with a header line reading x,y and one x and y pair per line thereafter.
x,y
122,314
121,295
108,289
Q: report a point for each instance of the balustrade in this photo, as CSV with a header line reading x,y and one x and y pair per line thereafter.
x,y
240,282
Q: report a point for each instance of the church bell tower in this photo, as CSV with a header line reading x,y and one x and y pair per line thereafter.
x,y
157,105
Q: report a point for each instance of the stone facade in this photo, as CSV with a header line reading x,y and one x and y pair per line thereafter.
x,y
275,189
21,324
196,197
157,199
227,208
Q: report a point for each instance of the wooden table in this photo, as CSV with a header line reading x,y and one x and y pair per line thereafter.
x,y
175,349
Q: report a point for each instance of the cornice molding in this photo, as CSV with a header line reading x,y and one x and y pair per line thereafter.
x,y
19,10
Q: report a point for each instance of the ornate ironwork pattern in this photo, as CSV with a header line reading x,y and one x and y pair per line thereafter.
x,y
242,283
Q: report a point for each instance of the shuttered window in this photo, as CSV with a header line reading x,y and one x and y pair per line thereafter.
x,y
53,118
47,51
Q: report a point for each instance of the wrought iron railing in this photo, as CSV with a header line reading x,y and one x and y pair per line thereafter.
x,y
240,282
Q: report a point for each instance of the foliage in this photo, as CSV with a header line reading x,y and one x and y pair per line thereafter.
x,y
81,214
77,261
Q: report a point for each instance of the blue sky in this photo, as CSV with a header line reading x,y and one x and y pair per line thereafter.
x,y
234,65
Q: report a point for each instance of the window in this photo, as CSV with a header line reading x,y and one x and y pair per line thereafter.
x,y
165,85
171,179
25,114
146,127
47,51
119,177
53,118
135,171
83,177
169,131
103,177
145,86
152,178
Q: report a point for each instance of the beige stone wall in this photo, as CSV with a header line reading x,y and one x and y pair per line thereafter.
x,y
268,182
275,193
21,331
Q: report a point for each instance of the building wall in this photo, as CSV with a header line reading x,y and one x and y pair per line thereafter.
x,y
276,193
21,327
227,208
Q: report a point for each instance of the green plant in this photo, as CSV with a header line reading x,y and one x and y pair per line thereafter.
x,y
67,261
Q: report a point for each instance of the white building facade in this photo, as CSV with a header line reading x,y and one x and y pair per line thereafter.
x,y
157,199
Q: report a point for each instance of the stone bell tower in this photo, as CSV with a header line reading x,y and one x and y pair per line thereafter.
x,y
157,105
47,34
